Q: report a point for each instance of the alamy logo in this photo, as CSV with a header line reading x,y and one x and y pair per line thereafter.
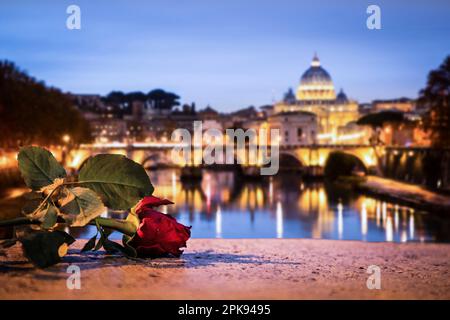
x,y
251,147
374,280
73,21
74,280
374,20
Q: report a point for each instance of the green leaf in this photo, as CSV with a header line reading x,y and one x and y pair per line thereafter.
x,y
114,247
39,214
129,250
119,181
50,217
44,248
30,207
90,244
102,239
39,167
111,246
80,206
99,243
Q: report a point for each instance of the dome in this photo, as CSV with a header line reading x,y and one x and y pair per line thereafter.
x,y
341,97
316,74
289,96
316,83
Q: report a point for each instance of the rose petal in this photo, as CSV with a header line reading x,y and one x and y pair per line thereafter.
x,y
150,202
159,234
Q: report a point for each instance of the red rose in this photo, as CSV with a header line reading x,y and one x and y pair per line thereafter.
x,y
158,234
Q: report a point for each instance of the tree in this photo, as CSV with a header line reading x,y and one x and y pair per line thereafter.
x,y
32,113
160,99
435,98
379,119
115,97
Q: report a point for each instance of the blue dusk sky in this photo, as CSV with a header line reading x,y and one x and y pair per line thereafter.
x,y
226,53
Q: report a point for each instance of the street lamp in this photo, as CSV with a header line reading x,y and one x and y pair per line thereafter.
x,y
66,138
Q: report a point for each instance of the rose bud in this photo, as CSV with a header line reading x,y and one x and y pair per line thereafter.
x,y
158,234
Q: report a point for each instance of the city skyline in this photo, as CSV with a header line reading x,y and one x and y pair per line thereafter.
x,y
228,55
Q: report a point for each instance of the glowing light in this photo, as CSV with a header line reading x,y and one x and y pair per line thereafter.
x,y
340,220
66,138
8,160
378,213
369,160
174,185
384,212
76,161
271,191
322,136
411,226
351,136
404,236
322,198
364,219
16,192
279,215
389,230
396,218
219,223
322,160
341,138
259,197
208,192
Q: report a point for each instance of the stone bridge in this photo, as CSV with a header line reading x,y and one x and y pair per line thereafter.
x,y
160,154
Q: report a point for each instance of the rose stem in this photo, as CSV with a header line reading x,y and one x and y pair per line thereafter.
x,y
118,225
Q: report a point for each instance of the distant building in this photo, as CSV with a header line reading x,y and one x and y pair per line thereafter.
x,y
365,108
88,102
108,129
315,94
408,133
245,114
401,104
295,127
185,117
267,110
208,114
211,119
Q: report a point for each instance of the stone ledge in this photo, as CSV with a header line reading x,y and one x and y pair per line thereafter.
x,y
241,269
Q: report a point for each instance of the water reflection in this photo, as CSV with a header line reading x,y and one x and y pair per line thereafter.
x,y
224,206
279,220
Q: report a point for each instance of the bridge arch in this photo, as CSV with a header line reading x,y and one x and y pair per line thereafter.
x,y
342,162
152,161
290,161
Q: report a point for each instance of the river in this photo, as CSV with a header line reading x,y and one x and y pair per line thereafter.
x,y
285,206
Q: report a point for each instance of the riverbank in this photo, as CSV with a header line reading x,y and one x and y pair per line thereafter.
x,y
404,193
242,269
